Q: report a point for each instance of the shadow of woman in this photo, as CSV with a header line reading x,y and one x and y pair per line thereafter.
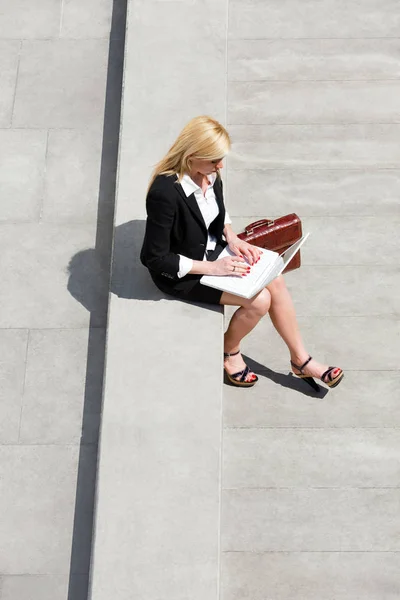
x,y
89,280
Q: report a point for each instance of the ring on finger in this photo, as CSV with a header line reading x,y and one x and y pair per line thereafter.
x,y
234,268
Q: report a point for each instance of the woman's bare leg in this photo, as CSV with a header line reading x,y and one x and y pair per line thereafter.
x,y
242,322
283,317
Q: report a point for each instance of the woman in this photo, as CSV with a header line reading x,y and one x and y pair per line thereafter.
x,y
187,227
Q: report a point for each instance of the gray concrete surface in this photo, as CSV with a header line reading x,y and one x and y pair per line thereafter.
x,y
310,499
158,491
57,170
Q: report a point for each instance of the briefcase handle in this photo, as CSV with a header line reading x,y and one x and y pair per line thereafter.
x,y
250,228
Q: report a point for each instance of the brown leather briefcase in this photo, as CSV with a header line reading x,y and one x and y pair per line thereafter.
x,y
275,235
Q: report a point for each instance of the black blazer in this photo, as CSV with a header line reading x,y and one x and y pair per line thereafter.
x,y
175,226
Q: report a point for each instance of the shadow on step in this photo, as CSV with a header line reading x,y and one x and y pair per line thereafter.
x,y
287,381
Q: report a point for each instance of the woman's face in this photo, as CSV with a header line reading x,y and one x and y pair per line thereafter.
x,y
206,167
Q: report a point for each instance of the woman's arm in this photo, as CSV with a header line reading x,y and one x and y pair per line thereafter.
x,y
229,234
156,254
239,247
221,266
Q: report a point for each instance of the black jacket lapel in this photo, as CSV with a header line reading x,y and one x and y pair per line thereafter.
x,y
220,221
218,194
192,204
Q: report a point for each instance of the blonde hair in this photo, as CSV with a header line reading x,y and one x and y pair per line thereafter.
x,y
202,138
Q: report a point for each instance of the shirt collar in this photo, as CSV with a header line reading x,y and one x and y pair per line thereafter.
x,y
190,187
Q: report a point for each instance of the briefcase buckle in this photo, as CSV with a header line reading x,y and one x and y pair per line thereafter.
x,y
264,222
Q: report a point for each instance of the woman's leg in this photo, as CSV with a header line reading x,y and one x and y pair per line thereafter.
x,y
243,321
283,317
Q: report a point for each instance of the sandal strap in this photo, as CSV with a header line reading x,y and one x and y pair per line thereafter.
x,y
228,354
304,365
242,374
328,373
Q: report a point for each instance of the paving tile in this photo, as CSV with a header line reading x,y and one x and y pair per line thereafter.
x,y
37,508
55,272
310,576
22,166
29,18
168,517
315,146
316,192
249,19
290,102
357,236
367,233
88,19
54,398
326,59
9,56
311,519
353,343
151,65
43,587
70,92
345,291
363,399
13,343
174,18
153,27
265,458
72,176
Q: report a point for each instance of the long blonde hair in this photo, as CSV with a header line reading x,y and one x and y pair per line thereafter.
x,y
203,137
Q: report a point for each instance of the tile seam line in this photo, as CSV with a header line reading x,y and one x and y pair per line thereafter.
x,y
356,169
319,124
316,39
16,85
306,489
311,551
23,385
42,128
309,316
56,38
222,390
61,18
339,217
44,574
103,327
49,445
44,186
54,223
310,124
314,167
308,428
261,371
299,81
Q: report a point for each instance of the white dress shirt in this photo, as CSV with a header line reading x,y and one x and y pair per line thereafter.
x,y
209,209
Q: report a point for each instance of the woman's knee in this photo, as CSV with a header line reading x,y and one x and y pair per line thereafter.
x,y
261,302
278,284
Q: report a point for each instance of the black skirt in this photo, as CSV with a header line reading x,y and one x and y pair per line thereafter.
x,y
199,292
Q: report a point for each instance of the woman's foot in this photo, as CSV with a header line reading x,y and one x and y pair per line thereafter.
x,y
235,365
306,366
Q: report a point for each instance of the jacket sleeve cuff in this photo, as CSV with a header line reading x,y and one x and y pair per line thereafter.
x,y
185,265
227,219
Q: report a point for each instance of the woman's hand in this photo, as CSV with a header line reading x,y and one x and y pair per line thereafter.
x,y
241,248
230,265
